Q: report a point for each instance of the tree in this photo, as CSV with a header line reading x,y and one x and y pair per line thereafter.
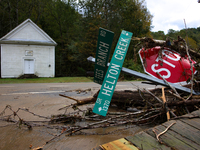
x,y
77,34
116,15
172,33
160,35
13,12
191,43
60,21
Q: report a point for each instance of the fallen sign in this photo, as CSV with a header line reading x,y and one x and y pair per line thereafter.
x,y
173,67
112,74
104,44
149,78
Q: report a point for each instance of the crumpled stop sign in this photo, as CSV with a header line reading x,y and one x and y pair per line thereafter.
x,y
168,63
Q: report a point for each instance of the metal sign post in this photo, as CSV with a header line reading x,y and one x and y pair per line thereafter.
x,y
151,79
112,74
104,44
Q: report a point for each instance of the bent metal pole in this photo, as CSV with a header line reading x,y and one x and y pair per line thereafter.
x,y
149,78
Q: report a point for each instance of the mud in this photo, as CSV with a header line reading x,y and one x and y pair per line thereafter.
x,y
36,99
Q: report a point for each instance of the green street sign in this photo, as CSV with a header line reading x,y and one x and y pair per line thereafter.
x,y
112,74
104,44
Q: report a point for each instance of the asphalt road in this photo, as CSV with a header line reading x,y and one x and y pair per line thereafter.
x,y
39,88
43,99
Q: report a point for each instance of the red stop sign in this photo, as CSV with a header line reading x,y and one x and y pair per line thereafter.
x,y
168,63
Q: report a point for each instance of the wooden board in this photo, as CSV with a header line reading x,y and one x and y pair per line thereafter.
x,y
144,141
192,119
173,139
192,114
183,135
185,130
195,122
196,113
121,144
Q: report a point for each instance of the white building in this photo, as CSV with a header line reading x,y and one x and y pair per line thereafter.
x,y
27,49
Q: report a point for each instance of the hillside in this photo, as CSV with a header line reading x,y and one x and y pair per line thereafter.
x,y
193,34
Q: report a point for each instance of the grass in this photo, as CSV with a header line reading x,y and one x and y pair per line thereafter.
x,y
47,80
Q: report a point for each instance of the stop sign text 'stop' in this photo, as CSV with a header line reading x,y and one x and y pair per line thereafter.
x,y
168,63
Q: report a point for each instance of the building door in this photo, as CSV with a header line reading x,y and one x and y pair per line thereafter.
x,y
29,66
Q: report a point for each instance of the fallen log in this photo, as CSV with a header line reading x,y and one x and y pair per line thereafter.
x,y
122,99
132,95
120,102
187,103
125,99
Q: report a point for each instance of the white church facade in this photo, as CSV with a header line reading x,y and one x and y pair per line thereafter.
x,y
27,50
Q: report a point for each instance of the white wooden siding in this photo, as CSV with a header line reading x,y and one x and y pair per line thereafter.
x,y
14,56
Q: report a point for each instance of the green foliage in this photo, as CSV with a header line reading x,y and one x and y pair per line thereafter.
x,y
158,35
77,34
131,64
191,36
191,43
116,16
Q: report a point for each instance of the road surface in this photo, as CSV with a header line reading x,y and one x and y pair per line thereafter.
x,y
43,99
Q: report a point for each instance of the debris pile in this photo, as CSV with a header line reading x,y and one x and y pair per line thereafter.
x,y
142,106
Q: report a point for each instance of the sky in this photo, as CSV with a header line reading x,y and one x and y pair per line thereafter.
x,y
170,14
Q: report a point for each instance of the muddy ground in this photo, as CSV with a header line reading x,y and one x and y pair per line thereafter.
x,y
44,99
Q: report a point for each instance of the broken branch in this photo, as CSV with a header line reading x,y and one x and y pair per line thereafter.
x,y
157,136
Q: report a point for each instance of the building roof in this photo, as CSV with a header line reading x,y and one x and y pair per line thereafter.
x,y
27,33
